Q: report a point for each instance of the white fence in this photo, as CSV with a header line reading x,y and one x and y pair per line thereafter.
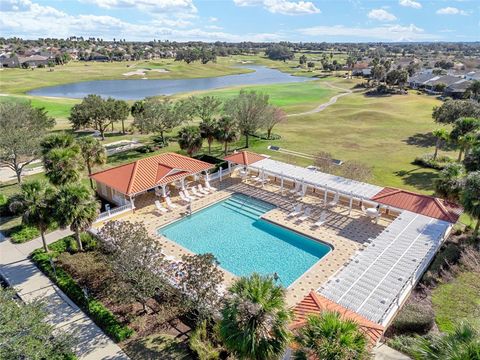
x,y
219,174
114,212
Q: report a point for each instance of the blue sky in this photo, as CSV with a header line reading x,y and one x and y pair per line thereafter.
x,y
244,20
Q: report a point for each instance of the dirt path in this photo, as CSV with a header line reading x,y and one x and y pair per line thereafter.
x,y
332,101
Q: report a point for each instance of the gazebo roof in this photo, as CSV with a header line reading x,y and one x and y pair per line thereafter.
x,y
147,173
244,157
315,304
419,203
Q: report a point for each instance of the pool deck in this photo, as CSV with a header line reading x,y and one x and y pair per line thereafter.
x,y
346,233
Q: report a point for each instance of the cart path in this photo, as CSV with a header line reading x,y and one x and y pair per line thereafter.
x,y
332,101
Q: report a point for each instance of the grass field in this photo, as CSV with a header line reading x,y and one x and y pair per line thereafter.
x,y
386,133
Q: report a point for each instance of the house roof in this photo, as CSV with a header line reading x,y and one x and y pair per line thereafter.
x,y
315,303
446,79
460,86
244,157
145,174
418,203
421,78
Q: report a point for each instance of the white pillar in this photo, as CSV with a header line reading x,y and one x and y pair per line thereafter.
x,y
281,184
164,190
220,172
207,176
229,166
351,204
325,194
182,183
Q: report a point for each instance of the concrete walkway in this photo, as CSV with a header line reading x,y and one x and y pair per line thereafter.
x,y
30,283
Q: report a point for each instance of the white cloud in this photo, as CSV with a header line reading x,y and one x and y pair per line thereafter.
x,y
212,19
451,11
386,33
148,5
410,3
381,15
283,7
30,21
213,27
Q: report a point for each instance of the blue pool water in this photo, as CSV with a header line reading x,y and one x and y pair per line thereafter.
x,y
243,243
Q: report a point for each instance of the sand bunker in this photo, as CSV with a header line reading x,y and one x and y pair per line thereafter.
x,y
142,72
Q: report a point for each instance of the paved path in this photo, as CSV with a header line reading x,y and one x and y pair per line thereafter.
x,y
323,106
384,352
30,283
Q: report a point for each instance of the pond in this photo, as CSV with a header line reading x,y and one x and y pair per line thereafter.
x,y
141,88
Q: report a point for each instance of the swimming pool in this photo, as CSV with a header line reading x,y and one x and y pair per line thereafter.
x,y
243,243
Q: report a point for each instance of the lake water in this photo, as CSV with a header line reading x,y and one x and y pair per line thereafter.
x,y
139,89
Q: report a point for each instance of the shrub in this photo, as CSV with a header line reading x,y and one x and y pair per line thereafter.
x,y
201,345
427,161
4,210
24,233
95,309
403,343
264,136
448,255
414,318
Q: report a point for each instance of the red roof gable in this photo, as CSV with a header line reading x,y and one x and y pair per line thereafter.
x,y
244,158
315,304
145,174
418,203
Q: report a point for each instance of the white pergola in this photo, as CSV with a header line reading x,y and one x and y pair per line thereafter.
x,y
305,178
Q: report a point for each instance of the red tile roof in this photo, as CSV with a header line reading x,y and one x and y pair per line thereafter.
x,y
145,174
244,157
418,203
315,304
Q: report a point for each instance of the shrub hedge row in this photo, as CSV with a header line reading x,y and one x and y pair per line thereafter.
x,y
94,308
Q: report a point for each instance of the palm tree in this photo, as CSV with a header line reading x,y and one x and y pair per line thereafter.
x,y
61,158
470,197
449,183
255,319
441,135
462,343
465,142
474,89
93,152
36,201
207,130
76,207
190,139
226,131
329,337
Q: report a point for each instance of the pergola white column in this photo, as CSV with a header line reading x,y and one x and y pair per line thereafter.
x,y
220,172
351,204
182,183
281,184
325,194
229,166
164,190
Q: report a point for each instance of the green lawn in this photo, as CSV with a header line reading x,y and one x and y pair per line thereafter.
x,y
457,300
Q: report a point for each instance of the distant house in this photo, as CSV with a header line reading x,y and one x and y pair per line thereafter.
x,y
418,81
9,62
473,75
362,69
447,80
33,60
457,90
99,57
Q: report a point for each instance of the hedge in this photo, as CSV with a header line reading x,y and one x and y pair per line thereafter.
x,y
94,308
414,319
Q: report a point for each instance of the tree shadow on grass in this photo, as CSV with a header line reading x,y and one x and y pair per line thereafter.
x,y
158,346
421,140
419,178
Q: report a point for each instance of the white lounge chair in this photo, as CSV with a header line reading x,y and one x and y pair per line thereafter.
x,y
202,190
160,207
334,202
185,191
196,193
170,204
158,192
321,220
184,197
209,188
297,210
306,214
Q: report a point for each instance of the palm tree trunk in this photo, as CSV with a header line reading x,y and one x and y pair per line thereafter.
x,y
437,144
226,147
123,126
44,241
210,146
79,241
460,155
246,140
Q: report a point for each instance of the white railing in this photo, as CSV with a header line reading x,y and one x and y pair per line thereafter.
x,y
220,174
114,212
